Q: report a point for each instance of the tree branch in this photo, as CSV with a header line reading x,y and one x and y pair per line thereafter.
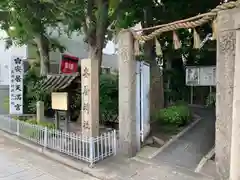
x,y
116,12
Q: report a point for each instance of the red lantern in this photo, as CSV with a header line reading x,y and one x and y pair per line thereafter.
x,y
69,64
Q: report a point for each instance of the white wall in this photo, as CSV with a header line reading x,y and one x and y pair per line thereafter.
x,y
75,46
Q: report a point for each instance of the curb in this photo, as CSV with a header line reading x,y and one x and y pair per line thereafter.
x,y
176,137
204,160
61,158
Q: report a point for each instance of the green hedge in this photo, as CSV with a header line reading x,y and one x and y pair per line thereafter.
x,y
176,115
28,130
31,132
211,100
108,98
49,125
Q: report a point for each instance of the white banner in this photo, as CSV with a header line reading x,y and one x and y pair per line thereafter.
x,y
16,86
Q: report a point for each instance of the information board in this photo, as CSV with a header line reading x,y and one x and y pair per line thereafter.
x,y
201,76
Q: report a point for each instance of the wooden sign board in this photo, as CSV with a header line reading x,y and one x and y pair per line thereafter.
x,y
60,101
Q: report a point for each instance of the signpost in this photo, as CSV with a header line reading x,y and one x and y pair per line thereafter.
x,y
60,102
16,86
200,76
90,97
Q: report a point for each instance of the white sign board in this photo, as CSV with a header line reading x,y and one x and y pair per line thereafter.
x,y
207,76
201,76
192,76
60,101
16,86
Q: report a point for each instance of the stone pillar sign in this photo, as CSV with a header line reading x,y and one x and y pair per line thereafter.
x,y
235,143
226,44
90,97
227,144
127,93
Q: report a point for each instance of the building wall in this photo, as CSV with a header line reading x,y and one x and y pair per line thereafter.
x,y
75,46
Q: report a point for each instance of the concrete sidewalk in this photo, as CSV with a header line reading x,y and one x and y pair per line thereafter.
x,y
115,168
20,163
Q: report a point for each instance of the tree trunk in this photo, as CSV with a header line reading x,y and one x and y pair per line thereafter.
x,y
96,35
43,48
156,79
168,85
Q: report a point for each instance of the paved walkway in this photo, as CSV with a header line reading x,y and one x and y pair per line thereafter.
x,y
20,163
132,169
189,149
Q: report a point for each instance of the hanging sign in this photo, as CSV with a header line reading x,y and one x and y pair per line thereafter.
x,y
69,64
16,86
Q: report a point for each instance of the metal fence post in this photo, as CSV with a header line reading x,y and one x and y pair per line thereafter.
x,y
91,151
115,141
18,128
9,124
45,137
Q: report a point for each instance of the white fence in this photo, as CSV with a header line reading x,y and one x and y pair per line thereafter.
x,y
88,149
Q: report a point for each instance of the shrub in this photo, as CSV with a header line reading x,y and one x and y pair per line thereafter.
x,y
49,125
32,133
211,100
33,93
108,97
176,115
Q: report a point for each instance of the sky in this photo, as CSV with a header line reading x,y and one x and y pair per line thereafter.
x,y
110,48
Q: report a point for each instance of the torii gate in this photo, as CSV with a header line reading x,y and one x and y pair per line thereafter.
x,y
227,148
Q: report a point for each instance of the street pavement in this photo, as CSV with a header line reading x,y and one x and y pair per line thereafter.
x,y
20,163
190,148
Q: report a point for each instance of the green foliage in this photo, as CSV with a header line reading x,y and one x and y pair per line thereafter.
x,y
211,100
33,133
108,97
25,20
176,115
33,92
20,118
6,104
41,123
75,104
